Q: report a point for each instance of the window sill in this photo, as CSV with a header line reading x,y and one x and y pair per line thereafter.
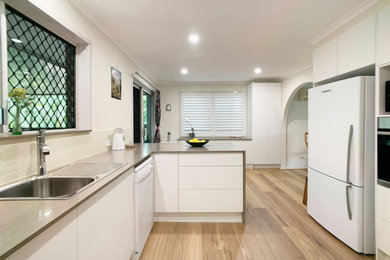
x,y
32,134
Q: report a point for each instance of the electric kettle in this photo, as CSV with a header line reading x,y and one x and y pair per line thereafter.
x,y
118,141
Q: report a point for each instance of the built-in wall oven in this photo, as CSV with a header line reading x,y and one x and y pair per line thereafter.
x,y
384,151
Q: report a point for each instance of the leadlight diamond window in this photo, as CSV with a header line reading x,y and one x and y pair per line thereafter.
x,y
43,64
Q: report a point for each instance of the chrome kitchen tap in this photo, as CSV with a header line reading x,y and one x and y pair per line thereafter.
x,y
43,150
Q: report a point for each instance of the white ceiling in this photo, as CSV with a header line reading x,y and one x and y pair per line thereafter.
x,y
236,35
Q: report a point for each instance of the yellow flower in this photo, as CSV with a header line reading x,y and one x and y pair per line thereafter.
x,y
17,93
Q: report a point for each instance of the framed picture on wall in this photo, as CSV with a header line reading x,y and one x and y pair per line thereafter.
x,y
116,83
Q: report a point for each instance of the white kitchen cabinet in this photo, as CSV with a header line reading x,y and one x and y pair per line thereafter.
x,y
59,241
124,215
106,221
211,159
325,61
356,46
102,227
211,177
247,146
383,36
211,182
266,116
383,218
351,50
383,235
96,218
211,200
166,182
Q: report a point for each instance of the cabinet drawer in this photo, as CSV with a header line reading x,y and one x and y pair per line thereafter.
x,y
217,177
210,159
211,200
383,197
383,235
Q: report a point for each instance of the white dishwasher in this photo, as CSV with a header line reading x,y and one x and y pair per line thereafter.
x,y
143,181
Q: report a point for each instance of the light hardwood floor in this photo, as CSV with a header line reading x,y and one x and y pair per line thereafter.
x,y
278,227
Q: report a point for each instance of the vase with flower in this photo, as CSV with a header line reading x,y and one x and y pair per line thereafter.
x,y
21,100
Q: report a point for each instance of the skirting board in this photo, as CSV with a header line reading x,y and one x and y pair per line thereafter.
x,y
235,217
382,255
266,166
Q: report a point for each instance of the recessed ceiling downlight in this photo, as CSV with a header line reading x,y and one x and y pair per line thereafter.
x,y
194,38
257,70
16,40
184,71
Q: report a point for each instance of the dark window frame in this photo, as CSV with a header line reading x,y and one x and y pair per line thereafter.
x,y
53,107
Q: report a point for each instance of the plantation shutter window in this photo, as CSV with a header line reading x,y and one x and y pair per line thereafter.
x,y
213,113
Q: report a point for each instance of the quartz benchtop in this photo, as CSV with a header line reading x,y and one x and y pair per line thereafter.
x,y
22,220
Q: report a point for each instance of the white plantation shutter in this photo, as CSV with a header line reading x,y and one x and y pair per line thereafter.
x,y
229,113
197,108
213,113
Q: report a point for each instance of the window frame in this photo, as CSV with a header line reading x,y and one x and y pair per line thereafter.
x,y
144,86
213,133
82,65
62,92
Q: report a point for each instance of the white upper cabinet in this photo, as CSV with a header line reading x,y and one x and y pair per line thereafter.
x,y
356,46
383,36
351,50
325,61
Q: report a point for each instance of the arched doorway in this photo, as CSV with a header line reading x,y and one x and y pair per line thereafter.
x,y
293,149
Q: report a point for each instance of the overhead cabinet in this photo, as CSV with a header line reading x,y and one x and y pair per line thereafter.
x,y
266,118
383,36
351,50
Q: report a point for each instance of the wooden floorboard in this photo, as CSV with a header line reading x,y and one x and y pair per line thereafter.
x,y
278,227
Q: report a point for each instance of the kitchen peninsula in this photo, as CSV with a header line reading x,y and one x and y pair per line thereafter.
x,y
190,184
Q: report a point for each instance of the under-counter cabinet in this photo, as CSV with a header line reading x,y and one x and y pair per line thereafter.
x,y
166,169
383,219
198,182
210,183
59,241
102,227
96,226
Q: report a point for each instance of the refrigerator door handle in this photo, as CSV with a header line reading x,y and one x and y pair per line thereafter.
x,y
349,151
347,189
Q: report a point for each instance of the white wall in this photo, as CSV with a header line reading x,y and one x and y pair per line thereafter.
x,y
296,128
170,94
18,155
289,87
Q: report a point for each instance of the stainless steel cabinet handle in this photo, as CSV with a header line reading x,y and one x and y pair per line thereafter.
x,y
347,189
349,151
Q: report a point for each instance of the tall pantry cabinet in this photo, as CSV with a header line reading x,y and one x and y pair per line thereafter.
x,y
265,117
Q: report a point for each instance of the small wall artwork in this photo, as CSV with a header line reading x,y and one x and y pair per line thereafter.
x,y
116,83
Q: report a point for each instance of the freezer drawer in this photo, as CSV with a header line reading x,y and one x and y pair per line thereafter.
x,y
327,204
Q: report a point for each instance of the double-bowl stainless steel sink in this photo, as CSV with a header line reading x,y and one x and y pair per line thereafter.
x,y
46,188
